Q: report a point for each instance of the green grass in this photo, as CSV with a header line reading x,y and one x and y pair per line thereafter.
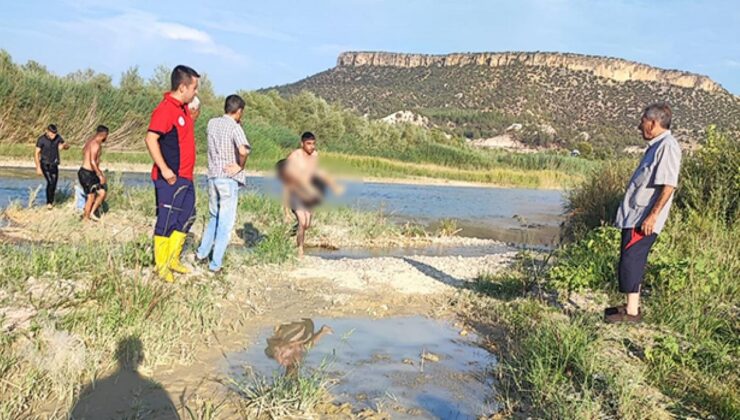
x,y
281,396
563,362
98,292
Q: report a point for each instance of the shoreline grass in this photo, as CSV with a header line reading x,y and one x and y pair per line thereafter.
x,y
561,360
354,166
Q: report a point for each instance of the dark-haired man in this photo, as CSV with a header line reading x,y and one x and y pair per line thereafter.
x,y
171,143
90,176
228,149
645,207
47,160
304,184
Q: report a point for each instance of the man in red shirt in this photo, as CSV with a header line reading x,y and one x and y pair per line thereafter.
x,y
171,144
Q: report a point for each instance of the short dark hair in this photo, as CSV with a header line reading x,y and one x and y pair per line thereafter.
x,y
182,74
307,135
101,129
660,112
233,103
52,128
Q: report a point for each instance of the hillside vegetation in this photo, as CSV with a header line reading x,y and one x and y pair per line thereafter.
x,y
33,97
556,104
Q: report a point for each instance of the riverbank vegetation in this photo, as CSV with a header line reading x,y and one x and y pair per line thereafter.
x,y
34,97
561,361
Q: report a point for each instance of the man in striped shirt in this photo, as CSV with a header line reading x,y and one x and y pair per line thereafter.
x,y
228,149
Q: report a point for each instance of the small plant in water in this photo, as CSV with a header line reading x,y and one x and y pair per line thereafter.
x,y
281,395
448,227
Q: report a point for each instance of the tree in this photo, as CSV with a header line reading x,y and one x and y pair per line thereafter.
x,y
99,80
35,67
160,79
206,94
131,82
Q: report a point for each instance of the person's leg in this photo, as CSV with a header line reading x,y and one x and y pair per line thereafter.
x,y
209,234
99,198
302,215
50,184
633,259
185,204
163,229
88,206
54,176
228,194
633,303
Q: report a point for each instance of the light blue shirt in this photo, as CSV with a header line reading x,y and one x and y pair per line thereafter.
x,y
659,166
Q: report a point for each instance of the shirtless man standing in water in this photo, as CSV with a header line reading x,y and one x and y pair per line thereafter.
x,y
305,184
90,176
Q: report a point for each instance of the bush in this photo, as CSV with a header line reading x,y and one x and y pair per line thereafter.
x,y
587,263
595,202
710,179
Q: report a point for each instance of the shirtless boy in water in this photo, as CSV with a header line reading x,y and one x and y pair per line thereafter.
x,y
90,176
304,184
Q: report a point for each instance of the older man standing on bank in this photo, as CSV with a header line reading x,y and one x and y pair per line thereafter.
x,y
228,149
645,207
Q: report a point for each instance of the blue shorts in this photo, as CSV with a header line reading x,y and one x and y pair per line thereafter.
x,y
633,259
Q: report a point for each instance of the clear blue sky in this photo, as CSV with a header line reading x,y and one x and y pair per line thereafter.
x,y
277,42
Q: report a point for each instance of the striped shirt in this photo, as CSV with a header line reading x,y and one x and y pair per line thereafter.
x,y
224,138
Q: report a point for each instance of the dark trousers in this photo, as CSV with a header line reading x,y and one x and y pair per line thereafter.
x,y
175,206
633,259
51,173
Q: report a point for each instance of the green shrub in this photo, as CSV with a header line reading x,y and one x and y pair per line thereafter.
x,y
587,263
710,179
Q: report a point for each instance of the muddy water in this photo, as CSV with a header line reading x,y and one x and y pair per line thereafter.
x,y
522,216
378,364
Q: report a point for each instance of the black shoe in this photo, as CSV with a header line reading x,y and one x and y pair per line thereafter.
x,y
615,310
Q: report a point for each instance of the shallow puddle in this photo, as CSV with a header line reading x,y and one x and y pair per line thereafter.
x,y
409,367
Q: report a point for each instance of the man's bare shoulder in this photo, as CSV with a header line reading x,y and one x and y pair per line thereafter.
x,y
295,154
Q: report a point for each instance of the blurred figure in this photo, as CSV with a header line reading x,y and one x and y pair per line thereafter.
x,y
304,184
289,343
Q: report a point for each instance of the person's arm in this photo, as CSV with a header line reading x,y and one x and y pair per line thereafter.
x,y
243,149
62,144
152,145
666,178
243,155
648,224
37,159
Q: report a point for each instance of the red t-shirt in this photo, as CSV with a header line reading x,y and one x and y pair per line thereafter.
x,y
171,120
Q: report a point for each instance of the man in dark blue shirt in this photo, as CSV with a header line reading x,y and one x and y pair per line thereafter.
x,y
47,160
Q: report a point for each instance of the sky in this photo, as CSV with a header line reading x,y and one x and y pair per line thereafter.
x,y
261,44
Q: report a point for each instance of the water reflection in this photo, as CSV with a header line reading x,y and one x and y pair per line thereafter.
x,y
289,343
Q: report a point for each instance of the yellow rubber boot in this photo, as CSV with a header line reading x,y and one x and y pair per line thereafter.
x,y
161,257
177,241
